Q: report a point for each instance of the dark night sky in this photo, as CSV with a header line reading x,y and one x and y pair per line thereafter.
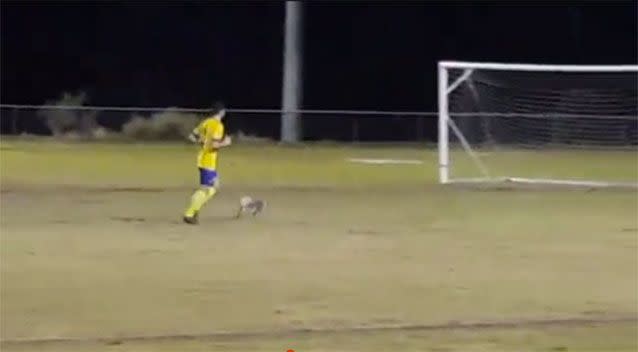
x,y
358,55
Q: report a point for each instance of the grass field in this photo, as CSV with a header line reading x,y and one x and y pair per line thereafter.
x,y
346,257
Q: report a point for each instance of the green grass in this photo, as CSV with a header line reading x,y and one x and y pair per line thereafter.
x,y
596,165
169,166
340,246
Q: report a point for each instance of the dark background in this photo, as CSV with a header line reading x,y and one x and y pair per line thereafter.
x,y
357,55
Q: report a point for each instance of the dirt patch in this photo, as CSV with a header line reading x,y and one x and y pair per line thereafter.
x,y
61,222
127,219
364,232
306,189
300,223
90,201
449,326
593,313
384,321
114,342
73,189
155,251
133,190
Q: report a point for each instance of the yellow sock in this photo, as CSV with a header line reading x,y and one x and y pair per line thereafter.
x,y
198,199
210,193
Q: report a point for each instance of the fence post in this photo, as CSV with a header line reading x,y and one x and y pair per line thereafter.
x,y
419,128
355,129
14,121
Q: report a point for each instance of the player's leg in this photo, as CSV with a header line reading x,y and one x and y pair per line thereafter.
x,y
207,190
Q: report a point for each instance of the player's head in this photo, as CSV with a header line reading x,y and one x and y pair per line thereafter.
x,y
219,110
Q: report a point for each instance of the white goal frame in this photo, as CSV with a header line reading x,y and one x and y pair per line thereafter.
x,y
445,123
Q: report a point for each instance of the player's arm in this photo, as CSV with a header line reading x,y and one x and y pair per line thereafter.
x,y
215,139
219,143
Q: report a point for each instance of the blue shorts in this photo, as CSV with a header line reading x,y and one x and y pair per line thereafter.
x,y
207,177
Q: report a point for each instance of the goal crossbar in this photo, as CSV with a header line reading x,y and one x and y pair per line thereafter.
x,y
536,67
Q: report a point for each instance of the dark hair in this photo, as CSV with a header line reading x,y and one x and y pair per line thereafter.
x,y
218,107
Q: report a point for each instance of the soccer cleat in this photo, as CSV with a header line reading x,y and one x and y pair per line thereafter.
x,y
192,220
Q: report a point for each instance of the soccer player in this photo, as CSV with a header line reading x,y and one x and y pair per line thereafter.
x,y
210,134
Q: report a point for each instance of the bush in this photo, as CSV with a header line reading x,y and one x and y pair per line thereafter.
x,y
138,127
73,122
242,137
166,125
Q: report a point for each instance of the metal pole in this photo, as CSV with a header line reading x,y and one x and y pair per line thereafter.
x,y
292,80
444,156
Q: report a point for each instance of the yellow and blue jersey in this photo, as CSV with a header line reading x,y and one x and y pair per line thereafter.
x,y
209,130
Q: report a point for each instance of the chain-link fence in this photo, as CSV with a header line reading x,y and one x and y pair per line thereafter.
x,y
172,123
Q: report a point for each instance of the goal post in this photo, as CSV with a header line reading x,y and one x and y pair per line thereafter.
x,y
538,124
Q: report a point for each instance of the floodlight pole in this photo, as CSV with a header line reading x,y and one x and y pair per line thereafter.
x,y
292,91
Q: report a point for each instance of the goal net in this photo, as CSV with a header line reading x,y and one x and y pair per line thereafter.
x,y
538,124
